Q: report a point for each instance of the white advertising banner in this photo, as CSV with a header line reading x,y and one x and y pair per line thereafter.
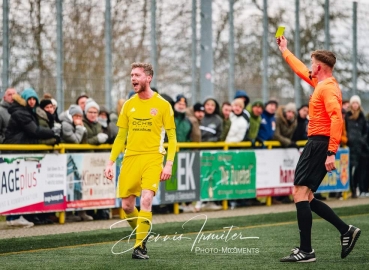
x,y
87,186
275,171
32,183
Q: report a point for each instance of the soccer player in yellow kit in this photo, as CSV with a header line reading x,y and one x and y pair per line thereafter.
x,y
143,121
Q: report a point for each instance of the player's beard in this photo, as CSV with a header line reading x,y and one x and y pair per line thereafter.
x,y
141,88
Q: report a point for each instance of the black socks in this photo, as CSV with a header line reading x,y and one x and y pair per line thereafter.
x,y
325,212
305,221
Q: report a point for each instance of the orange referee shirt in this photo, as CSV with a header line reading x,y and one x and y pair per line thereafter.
x,y
325,105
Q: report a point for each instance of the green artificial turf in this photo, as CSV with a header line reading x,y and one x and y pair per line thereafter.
x,y
277,234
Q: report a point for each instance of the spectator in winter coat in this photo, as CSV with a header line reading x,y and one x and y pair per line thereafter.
x,y
267,125
357,142
239,122
4,114
46,120
286,124
226,112
73,130
195,114
95,134
54,110
107,126
300,133
183,124
255,111
212,124
23,127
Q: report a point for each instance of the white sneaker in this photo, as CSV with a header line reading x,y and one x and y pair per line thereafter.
x,y
21,222
362,195
367,194
189,209
211,206
9,222
84,216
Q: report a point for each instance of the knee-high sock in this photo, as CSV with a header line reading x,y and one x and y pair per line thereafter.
x,y
305,221
132,222
144,223
325,212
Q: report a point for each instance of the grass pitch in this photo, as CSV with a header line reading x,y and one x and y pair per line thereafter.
x,y
254,242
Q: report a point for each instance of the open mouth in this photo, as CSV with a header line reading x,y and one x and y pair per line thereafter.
x,y
135,84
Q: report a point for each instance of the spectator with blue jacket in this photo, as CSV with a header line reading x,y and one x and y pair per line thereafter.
x,y
268,123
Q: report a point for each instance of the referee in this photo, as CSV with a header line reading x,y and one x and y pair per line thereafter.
x,y
318,157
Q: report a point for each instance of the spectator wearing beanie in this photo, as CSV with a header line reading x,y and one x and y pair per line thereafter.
x,y
183,124
255,111
286,124
267,124
46,120
195,114
73,130
54,112
90,121
23,126
356,134
300,133
242,94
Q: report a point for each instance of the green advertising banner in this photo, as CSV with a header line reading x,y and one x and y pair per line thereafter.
x,y
227,175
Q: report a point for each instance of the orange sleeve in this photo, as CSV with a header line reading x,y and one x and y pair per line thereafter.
x,y
299,68
333,108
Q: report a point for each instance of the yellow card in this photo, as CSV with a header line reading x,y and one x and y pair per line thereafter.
x,y
280,31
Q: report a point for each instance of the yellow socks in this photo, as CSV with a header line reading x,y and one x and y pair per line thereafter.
x,y
133,221
144,222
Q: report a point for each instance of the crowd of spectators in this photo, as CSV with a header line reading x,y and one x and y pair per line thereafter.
x,y
27,119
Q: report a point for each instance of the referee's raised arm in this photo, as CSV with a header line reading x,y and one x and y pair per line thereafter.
x,y
296,65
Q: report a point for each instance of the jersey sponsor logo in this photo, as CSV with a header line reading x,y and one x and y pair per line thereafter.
x,y
142,124
153,111
133,110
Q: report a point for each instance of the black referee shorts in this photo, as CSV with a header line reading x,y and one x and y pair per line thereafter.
x,y
310,169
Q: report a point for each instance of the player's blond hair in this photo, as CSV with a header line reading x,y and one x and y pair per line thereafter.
x,y
326,57
146,67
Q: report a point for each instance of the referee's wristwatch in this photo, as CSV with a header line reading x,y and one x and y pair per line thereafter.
x,y
330,153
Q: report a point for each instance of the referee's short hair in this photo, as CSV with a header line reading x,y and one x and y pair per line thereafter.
x,y
326,57
146,67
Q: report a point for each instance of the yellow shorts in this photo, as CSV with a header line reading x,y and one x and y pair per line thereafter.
x,y
139,172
